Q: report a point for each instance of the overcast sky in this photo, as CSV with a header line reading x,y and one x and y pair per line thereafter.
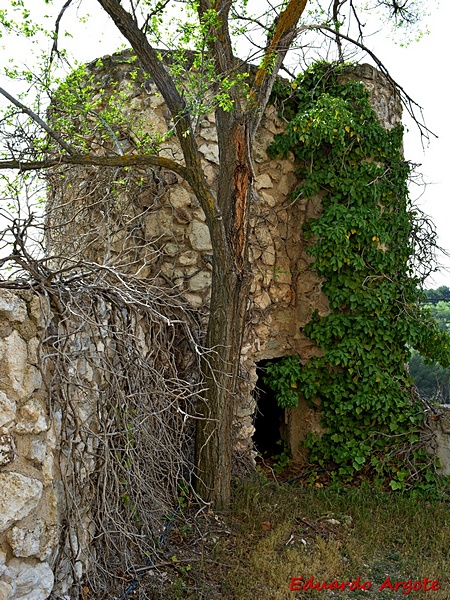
x,y
420,68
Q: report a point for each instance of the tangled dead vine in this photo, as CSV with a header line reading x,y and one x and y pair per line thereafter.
x,y
124,380
121,358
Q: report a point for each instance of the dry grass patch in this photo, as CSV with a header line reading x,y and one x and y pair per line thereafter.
x,y
274,533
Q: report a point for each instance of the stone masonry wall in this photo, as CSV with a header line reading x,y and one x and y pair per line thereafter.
x,y
72,388
28,440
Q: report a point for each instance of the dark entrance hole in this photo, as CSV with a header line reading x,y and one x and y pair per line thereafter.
x,y
269,416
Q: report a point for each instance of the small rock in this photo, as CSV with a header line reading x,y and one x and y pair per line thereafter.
x,y
199,237
210,152
25,542
12,307
263,181
7,449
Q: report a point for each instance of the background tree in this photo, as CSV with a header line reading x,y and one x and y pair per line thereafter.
x,y
213,29
433,380
441,294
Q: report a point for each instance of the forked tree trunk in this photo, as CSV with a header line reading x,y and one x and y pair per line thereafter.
x,y
226,216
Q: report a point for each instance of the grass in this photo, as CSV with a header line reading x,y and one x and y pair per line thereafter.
x,y
337,533
276,532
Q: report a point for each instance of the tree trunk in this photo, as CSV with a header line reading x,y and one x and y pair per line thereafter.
x,y
229,297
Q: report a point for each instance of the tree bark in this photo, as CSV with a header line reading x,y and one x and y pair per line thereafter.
x,y
229,297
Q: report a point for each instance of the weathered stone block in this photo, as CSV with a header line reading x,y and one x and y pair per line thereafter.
x,y
209,134
39,310
194,300
199,237
32,418
22,377
12,307
263,236
25,542
6,591
20,495
180,198
262,300
153,227
210,152
268,199
38,450
14,353
287,183
263,181
188,258
199,215
268,256
7,409
200,282
281,293
32,581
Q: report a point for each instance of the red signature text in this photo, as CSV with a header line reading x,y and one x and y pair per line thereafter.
x,y
298,584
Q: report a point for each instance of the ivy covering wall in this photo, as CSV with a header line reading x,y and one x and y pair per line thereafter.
x,y
363,247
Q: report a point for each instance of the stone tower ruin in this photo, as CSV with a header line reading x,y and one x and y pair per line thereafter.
x,y
146,223
154,227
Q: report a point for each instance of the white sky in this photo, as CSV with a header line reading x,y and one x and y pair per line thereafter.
x,y
420,69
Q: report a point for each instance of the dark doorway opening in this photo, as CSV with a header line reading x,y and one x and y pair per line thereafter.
x,y
269,416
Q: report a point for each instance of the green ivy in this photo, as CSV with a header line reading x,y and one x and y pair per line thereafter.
x,y
363,247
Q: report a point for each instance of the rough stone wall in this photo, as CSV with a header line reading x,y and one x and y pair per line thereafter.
x,y
28,441
174,242
78,388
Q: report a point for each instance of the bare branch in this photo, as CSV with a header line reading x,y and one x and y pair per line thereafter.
x,y
358,20
126,160
54,49
336,6
37,119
